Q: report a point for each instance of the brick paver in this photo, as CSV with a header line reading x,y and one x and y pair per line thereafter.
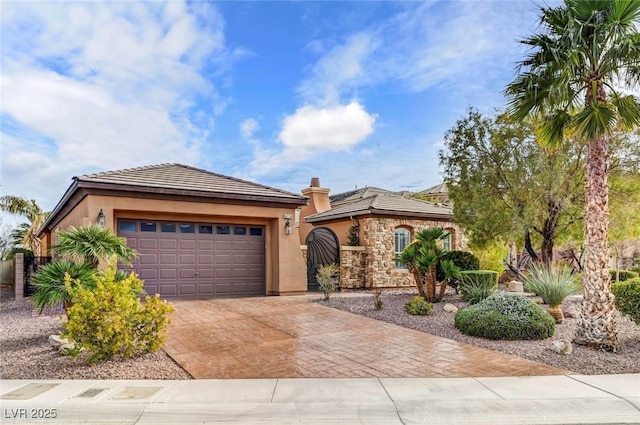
x,y
288,337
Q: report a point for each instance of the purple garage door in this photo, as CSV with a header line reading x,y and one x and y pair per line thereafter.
x,y
178,259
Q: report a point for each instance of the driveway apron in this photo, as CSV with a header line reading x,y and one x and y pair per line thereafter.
x,y
290,337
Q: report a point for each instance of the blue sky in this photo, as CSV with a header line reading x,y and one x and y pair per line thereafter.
x,y
356,93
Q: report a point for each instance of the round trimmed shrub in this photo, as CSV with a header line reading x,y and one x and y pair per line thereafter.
x,y
627,295
505,316
464,260
418,306
623,274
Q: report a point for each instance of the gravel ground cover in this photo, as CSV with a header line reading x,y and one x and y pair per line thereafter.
x,y
25,352
582,361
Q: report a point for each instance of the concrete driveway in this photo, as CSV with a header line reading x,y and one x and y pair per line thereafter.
x,y
290,337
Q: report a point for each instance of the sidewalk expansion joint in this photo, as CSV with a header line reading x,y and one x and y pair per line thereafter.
x,y
605,391
395,406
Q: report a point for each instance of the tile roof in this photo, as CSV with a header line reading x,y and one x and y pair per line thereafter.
x,y
185,178
439,188
353,195
383,204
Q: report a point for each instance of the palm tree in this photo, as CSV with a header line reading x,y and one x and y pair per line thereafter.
x,y
25,234
586,50
92,244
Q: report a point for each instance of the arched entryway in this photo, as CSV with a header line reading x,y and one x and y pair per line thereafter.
x,y
322,248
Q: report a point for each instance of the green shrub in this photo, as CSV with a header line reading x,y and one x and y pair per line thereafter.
x,y
627,295
624,275
50,286
505,316
463,259
328,278
109,320
552,284
476,285
418,306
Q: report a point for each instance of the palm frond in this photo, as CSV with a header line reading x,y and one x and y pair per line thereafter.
x,y
93,244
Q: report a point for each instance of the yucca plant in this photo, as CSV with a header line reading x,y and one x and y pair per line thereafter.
x,y
553,284
328,278
49,282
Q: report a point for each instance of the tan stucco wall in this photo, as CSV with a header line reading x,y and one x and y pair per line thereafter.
x,y
285,270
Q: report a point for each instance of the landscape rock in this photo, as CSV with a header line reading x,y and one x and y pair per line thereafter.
x,y
450,308
56,341
66,348
515,286
562,346
571,313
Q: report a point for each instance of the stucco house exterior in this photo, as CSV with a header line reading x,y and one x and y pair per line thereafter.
x,y
387,222
198,233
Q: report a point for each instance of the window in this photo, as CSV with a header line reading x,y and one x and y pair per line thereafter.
x,y
187,228
223,230
447,242
148,226
206,229
401,242
255,231
168,227
239,230
124,226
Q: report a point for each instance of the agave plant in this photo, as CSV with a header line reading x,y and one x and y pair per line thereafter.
x,y
553,284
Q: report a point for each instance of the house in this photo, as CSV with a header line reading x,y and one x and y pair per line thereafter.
x,y
438,193
198,233
385,222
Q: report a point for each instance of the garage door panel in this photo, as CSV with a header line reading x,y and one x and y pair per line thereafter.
x,y
213,260
168,259
148,258
146,243
168,244
187,244
187,259
168,274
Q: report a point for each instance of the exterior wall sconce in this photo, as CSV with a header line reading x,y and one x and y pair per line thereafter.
x,y
288,228
102,220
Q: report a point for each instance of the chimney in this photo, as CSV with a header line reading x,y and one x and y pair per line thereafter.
x,y
318,197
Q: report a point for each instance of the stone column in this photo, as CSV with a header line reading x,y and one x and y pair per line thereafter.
x,y
18,270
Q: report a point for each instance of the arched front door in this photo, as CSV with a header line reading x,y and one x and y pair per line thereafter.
x,y
322,248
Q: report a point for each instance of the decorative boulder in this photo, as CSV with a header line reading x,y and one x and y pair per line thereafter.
x,y
562,346
571,313
56,341
450,308
515,286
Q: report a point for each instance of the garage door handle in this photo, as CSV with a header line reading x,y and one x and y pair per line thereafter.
x,y
197,273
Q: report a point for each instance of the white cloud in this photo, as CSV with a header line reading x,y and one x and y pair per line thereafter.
x,y
248,128
105,85
334,128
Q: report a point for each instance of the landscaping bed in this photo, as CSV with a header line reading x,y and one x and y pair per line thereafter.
x,y
25,352
582,361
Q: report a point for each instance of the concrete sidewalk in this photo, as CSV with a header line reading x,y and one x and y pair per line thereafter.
x,y
570,399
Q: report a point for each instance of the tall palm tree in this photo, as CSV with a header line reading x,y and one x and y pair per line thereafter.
x,y
26,232
584,53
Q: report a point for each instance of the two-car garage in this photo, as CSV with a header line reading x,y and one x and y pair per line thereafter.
x,y
183,259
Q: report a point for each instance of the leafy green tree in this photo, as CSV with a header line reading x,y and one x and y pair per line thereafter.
x,y
505,185
25,234
584,52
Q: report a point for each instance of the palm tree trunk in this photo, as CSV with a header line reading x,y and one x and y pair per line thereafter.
x,y
597,325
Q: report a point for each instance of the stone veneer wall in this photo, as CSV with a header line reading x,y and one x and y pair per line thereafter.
x,y
353,267
378,239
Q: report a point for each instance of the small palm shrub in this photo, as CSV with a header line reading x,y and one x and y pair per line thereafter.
x,y
109,319
418,306
553,284
505,316
328,278
476,285
622,275
92,244
50,283
627,300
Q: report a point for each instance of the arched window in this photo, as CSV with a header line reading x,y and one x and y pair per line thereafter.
x,y
401,241
447,242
